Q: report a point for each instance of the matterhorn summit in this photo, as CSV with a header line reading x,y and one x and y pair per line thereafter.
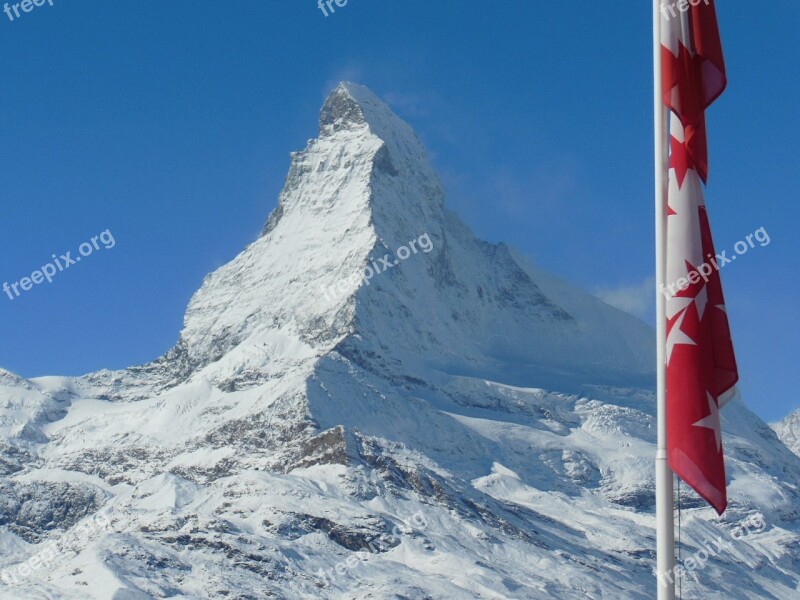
x,y
370,402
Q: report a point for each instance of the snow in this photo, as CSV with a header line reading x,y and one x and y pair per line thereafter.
x,y
788,431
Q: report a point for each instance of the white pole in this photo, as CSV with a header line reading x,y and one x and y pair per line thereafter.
x,y
665,525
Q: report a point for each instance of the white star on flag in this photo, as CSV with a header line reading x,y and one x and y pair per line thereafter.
x,y
677,336
712,420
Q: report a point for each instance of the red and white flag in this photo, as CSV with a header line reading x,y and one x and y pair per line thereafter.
x,y
701,367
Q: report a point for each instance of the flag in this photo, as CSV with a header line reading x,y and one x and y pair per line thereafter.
x,y
701,367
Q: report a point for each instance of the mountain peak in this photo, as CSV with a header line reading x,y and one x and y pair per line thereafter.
x,y
352,105
331,265
344,107
354,108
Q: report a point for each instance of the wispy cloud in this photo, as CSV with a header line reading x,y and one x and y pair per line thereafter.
x,y
636,299
419,104
351,72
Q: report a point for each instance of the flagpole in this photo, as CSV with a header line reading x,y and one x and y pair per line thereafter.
x,y
665,525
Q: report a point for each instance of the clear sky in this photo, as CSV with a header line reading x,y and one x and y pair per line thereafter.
x,y
170,124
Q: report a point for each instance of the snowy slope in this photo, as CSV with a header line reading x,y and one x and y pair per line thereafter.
x,y
788,431
458,425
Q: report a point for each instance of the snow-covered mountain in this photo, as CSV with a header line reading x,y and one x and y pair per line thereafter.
x,y
369,402
788,431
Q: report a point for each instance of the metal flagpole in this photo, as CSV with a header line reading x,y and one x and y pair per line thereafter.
x,y
665,526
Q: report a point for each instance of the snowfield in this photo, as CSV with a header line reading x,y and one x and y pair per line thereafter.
x,y
461,426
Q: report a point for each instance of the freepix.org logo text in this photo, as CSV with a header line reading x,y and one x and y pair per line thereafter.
x,y
14,10
59,264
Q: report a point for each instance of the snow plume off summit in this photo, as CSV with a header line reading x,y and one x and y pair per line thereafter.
x,y
289,433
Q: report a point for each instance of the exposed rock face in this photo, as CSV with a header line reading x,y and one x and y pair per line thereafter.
x,y
369,402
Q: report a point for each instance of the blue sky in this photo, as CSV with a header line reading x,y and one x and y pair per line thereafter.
x,y
170,124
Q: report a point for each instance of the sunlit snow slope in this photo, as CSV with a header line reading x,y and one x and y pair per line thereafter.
x,y
788,431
